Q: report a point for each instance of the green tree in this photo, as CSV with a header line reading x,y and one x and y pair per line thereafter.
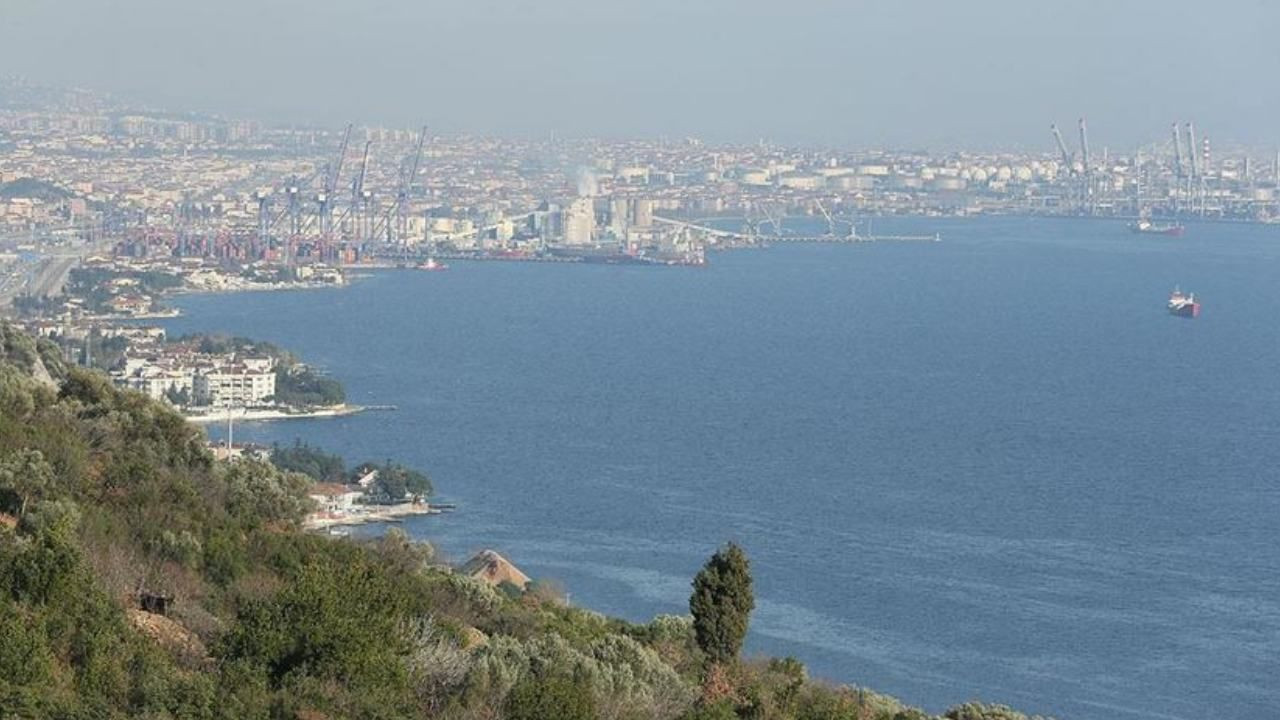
x,y
721,603
337,620
309,460
26,474
180,397
394,481
554,698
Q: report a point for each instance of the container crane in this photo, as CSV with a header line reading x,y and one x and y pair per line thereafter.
x,y
831,223
1062,147
324,199
406,187
774,220
357,210
1084,147
1177,152
1191,150
399,230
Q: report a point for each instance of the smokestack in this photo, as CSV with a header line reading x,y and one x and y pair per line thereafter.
x,y
1177,152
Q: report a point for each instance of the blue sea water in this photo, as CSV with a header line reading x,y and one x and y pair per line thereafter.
x,y
992,467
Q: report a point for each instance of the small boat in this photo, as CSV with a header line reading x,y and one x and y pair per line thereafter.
x,y
1183,305
432,265
1145,227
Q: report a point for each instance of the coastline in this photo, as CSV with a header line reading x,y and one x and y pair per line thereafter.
x,y
254,287
265,415
370,514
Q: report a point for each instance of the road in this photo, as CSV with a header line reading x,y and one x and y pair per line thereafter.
x,y
41,275
52,275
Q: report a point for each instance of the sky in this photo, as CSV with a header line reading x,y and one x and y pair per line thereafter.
x,y
977,74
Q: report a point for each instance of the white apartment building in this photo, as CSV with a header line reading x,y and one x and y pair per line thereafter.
x,y
234,385
157,382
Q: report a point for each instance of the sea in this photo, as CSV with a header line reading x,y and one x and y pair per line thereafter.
x,y
992,467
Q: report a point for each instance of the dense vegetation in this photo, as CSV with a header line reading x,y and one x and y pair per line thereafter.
x,y
93,284
33,188
302,386
104,494
310,461
393,481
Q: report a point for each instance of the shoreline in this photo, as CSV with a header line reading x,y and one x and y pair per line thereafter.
x,y
374,514
245,415
250,288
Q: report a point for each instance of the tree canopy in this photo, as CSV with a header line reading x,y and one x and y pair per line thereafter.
x,y
721,604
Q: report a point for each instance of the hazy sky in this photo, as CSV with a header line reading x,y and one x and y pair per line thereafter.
x,y
977,73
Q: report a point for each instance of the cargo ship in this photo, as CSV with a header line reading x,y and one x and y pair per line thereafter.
x,y
1146,227
1183,305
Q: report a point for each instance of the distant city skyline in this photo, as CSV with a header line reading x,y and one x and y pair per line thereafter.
x,y
991,74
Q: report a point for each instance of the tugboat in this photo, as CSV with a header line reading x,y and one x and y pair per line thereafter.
x,y
1183,305
431,264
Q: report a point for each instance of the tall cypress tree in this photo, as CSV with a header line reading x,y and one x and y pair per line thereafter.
x,y
721,603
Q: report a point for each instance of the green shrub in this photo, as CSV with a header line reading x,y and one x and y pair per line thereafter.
x,y
553,698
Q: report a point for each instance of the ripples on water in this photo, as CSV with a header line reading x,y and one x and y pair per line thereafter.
x,y
991,467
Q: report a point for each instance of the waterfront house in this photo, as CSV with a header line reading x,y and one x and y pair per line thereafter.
x,y
334,499
490,567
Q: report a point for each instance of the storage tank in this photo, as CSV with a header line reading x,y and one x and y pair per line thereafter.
x,y
947,183
852,182
801,181
907,182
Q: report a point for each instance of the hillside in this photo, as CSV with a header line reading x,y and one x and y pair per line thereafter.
x,y
109,498
33,188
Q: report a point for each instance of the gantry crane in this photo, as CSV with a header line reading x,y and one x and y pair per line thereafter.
x,y
399,231
324,200
1062,148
